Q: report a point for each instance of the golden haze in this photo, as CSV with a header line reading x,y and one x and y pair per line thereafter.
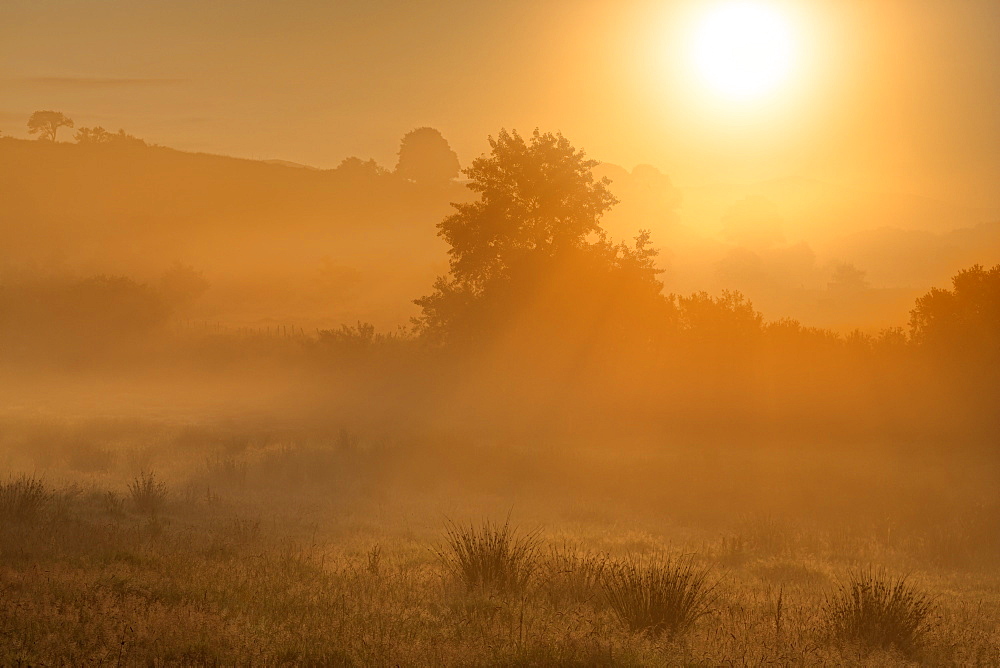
x,y
525,334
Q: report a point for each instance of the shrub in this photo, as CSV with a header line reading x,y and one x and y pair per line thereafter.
x,y
492,556
148,493
660,596
23,498
879,611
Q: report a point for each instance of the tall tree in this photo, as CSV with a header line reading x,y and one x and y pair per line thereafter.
x,y
536,196
426,157
532,244
47,123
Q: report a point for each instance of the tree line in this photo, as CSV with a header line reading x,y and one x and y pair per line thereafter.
x,y
533,244
424,154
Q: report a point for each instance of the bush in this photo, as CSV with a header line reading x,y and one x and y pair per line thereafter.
x,y
879,611
661,596
492,557
148,493
23,498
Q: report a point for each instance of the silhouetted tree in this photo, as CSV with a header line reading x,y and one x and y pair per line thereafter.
x,y
729,319
531,249
959,331
426,157
96,135
536,197
967,317
47,123
848,278
356,168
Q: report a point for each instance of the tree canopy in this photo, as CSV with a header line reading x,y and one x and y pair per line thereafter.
x,y
46,124
967,317
531,249
426,157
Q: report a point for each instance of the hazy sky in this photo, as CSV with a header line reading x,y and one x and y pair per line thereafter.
x,y
900,94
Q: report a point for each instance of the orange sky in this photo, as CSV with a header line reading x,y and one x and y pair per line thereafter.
x,y
900,94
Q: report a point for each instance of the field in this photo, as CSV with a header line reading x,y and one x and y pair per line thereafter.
x,y
234,542
562,333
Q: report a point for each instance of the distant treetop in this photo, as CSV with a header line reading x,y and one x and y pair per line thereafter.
x,y
99,135
426,157
965,318
46,124
848,278
358,169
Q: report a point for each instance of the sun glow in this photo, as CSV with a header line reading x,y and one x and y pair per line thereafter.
x,y
742,50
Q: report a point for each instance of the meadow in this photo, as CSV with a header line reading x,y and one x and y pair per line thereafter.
x,y
141,541
321,344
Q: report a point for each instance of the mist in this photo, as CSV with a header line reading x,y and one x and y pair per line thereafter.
x,y
619,360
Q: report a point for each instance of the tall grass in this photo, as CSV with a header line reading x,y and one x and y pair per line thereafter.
x,y
879,611
574,575
22,499
662,596
492,556
148,494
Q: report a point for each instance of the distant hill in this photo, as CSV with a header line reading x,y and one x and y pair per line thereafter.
x,y
81,210
136,207
288,163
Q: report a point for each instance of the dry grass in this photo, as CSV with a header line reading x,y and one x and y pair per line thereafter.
x,y
329,560
492,556
877,610
659,595
148,493
23,498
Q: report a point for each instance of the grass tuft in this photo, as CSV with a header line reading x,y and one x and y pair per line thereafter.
x,y
493,556
879,611
659,597
148,494
22,499
375,561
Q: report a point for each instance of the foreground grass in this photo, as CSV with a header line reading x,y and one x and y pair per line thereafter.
x,y
877,610
661,596
205,586
304,555
490,558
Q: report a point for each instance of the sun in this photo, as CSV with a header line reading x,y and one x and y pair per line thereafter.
x,y
742,50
